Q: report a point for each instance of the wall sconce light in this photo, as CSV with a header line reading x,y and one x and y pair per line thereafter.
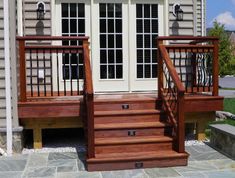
x,y
41,10
178,12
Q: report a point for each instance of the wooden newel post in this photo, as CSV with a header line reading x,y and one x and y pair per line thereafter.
x,y
89,101
22,71
181,124
215,71
160,68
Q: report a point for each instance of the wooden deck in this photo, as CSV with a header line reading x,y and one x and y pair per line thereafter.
x,y
142,129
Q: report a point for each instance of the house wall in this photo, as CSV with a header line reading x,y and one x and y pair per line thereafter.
x,y
191,8
12,32
2,71
31,26
192,22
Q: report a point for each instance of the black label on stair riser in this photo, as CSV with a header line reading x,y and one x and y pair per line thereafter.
x,y
125,106
139,165
131,132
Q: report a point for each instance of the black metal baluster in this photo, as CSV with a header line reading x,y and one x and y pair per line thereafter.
x,y
204,69
64,77
38,87
71,74
180,64
78,55
199,72
51,77
187,60
31,71
57,71
44,70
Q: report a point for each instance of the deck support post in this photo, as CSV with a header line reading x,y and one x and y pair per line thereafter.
x,y
37,138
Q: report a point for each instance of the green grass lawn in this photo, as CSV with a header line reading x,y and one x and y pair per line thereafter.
x,y
229,105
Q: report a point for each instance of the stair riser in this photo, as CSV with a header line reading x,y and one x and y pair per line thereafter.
x,y
128,118
138,132
128,148
120,165
119,106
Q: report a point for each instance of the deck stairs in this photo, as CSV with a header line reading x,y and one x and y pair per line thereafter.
x,y
130,133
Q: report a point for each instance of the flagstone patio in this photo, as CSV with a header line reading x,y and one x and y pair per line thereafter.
x,y
204,161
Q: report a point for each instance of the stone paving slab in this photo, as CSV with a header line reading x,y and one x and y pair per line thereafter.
x,y
204,162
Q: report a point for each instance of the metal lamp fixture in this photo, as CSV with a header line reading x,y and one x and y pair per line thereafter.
x,y
41,10
178,12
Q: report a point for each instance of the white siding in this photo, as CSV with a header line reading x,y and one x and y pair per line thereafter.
x,y
2,75
189,25
31,25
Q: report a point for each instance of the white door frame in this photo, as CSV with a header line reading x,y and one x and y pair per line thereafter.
x,y
109,85
145,84
57,31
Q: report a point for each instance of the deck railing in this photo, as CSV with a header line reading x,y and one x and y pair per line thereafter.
x,y
50,66
43,61
185,68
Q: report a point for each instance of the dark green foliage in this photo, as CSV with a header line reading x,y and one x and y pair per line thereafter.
x,y
226,57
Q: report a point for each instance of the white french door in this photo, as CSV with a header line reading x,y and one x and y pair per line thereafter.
x,y
124,49
146,23
122,35
110,45
71,18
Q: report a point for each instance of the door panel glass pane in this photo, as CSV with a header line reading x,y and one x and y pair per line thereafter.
x,y
73,24
147,26
65,10
102,10
139,12
111,41
81,26
103,57
146,10
102,41
73,10
118,25
110,10
154,11
102,26
146,33
139,56
111,56
139,41
139,26
119,71
65,25
118,10
103,71
118,56
111,72
110,25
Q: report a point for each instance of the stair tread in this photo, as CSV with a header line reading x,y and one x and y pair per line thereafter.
x,y
136,156
132,140
128,112
125,98
130,125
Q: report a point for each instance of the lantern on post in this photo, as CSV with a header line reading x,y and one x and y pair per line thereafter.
x,y
178,12
41,10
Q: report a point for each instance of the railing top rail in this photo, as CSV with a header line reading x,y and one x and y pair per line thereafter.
x,y
172,69
189,46
53,47
51,38
195,38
